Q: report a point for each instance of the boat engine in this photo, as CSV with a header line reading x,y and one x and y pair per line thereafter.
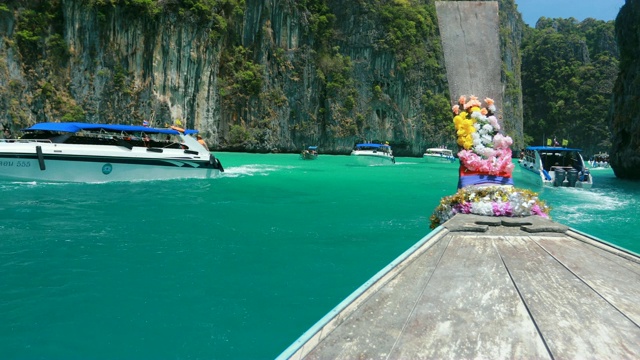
x,y
584,175
572,177
559,177
215,163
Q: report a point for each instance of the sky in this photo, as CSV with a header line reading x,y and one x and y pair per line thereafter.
x,y
532,10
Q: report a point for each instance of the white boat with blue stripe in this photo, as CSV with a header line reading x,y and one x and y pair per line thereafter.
x,y
373,154
83,152
439,156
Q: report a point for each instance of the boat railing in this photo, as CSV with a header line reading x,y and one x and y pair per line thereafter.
x,y
26,140
529,161
172,145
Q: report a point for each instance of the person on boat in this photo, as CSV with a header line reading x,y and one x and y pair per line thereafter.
x,y
147,140
202,142
177,126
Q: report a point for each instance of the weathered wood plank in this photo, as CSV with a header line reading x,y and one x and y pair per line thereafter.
x,y
499,294
602,271
574,320
470,309
371,330
631,257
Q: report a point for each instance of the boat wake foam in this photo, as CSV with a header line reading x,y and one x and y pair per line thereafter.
x,y
252,170
580,207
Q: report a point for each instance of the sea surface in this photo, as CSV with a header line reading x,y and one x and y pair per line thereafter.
x,y
236,267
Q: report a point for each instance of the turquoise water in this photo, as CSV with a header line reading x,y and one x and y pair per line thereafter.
x,y
236,267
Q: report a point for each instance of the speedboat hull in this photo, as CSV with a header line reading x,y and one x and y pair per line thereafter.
x,y
370,158
438,159
62,164
77,152
308,156
95,172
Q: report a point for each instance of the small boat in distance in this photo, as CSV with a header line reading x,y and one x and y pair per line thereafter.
x,y
555,166
373,154
599,160
439,156
82,152
311,153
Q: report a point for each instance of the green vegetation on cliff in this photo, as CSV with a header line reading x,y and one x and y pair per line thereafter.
x,y
411,32
567,79
205,10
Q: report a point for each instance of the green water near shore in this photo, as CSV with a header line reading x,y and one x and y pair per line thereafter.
x,y
236,267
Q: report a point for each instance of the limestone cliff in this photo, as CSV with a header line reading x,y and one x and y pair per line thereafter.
x,y
252,75
624,117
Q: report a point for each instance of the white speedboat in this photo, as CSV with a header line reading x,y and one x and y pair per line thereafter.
x,y
373,154
439,156
81,152
555,166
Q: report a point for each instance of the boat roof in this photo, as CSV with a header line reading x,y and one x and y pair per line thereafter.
x,y
313,147
550,148
74,127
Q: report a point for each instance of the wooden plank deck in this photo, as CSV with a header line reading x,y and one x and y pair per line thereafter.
x,y
481,287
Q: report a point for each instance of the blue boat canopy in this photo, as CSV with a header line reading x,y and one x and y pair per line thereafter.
x,y
550,148
313,148
74,127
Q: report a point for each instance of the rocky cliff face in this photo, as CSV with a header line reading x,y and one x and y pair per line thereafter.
x,y
258,75
511,32
624,117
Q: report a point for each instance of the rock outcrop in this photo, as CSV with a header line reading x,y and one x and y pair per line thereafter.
x,y
624,117
253,75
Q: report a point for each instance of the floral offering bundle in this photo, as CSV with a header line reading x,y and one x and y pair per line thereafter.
x,y
485,154
485,184
498,200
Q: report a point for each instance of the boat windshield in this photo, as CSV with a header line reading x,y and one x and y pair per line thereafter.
x,y
564,159
104,137
444,152
374,147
